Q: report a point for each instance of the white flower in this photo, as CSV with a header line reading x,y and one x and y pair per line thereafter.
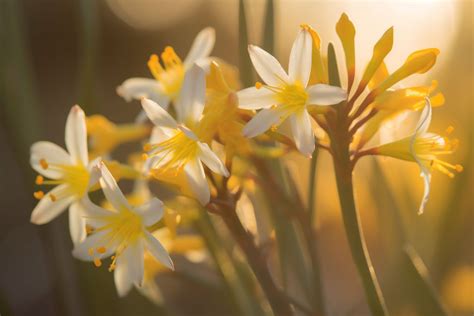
x,y
176,146
123,233
168,82
286,95
423,148
70,173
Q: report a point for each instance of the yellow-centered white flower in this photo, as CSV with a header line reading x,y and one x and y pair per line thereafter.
x,y
121,233
168,82
286,96
69,172
423,148
176,146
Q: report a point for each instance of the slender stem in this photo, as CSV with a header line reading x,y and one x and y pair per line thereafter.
x,y
278,301
360,255
312,185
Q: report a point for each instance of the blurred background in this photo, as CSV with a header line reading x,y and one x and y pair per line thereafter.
x,y
57,53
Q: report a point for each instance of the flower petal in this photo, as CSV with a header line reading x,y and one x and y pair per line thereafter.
x,y
202,46
210,159
267,67
77,223
123,282
94,172
46,210
76,136
254,99
93,214
129,268
158,251
157,114
151,212
197,181
111,190
323,94
139,88
190,102
302,132
261,122
53,154
93,241
299,67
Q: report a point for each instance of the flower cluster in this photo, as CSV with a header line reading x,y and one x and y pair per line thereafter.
x,y
199,133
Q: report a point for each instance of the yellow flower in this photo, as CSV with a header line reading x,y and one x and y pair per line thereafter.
x,y
105,136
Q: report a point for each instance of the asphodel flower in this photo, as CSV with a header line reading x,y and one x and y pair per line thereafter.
x,y
121,233
287,95
176,147
424,148
105,136
69,172
168,78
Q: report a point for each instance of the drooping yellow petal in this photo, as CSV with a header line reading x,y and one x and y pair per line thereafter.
x,y
379,76
346,32
318,69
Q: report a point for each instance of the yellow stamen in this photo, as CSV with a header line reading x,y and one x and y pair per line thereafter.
x,y
304,26
39,180
97,262
450,129
258,84
147,147
144,157
101,249
52,197
38,195
171,75
43,164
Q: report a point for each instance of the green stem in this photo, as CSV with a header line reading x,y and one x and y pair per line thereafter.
x,y
312,186
360,254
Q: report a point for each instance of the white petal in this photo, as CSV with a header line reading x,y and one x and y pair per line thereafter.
x,y
157,114
93,214
53,154
77,223
197,181
76,136
299,67
267,67
210,159
111,189
254,99
94,172
302,132
123,283
46,210
139,88
202,46
158,251
93,241
190,102
425,118
323,94
261,122
159,135
129,268
151,212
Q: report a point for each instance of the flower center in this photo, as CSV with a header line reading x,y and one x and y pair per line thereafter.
x,y
122,229
291,98
75,176
171,75
175,152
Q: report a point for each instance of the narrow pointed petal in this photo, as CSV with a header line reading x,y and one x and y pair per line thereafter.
x,y
53,154
346,32
151,212
158,251
77,223
323,94
197,181
46,210
255,99
299,67
76,136
94,172
111,189
134,258
267,67
122,278
261,122
139,88
82,250
157,114
190,103
201,47
210,159
302,132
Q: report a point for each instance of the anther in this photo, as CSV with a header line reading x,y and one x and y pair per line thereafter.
x,y
304,26
459,168
43,163
450,129
101,249
97,262
38,195
89,229
258,85
144,157
52,197
90,251
147,147
39,180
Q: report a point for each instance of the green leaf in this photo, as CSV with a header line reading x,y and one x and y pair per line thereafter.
x,y
246,73
269,28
